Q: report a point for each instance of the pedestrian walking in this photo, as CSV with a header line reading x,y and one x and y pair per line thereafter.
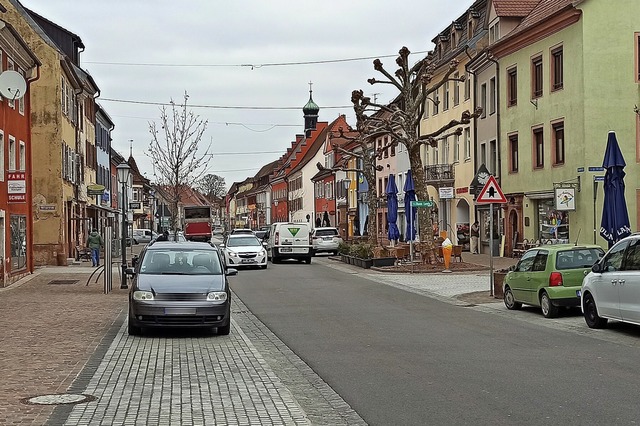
x,y
95,243
475,235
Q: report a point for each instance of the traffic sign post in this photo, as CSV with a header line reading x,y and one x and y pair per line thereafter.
x,y
491,194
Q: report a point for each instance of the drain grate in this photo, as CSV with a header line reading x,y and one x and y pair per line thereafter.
x,y
60,282
58,399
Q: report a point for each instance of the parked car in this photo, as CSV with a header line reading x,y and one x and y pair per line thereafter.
x,y
143,236
289,240
612,289
180,284
218,230
550,276
260,234
325,240
244,250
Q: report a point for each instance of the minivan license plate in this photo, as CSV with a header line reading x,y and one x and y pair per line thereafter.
x,y
179,311
286,250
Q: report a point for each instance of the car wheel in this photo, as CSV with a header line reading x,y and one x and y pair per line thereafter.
x,y
549,310
510,300
275,260
308,260
591,316
133,330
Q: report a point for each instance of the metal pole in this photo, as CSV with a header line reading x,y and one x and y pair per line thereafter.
x,y
491,248
108,284
595,197
123,284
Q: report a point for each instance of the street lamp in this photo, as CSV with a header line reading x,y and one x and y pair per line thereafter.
x,y
152,198
347,183
124,171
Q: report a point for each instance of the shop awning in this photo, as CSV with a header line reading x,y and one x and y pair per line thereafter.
x,y
539,195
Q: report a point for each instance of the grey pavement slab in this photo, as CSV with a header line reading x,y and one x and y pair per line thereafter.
x,y
200,379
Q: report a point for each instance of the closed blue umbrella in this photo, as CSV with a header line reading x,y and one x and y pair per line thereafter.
x,y
392,208
410,212
615,223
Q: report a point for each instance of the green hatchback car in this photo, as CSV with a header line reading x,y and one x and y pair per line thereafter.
x,y
550,276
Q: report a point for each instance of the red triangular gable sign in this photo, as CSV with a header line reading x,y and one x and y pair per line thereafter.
x,y
491,192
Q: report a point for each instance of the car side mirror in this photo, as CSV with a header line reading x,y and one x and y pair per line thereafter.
x,y
264,243
231,272
597,268
512,268
221,245
134,261
130,271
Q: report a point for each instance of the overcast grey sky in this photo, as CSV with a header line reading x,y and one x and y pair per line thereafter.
x,y
155,50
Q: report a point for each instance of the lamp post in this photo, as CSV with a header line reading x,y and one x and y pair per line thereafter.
x,y
347,183
152,198
124,172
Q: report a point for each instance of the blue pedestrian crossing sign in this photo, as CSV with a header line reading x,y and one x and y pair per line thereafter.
x,y
491,193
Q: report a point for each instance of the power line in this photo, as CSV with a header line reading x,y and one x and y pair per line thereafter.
x,y
252,66
128,101
221,123
249,153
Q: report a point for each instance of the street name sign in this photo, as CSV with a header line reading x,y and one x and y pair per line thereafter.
x,y
422,204
491,193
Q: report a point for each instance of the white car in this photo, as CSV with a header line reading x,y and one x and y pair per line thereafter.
x,y
325,240
612,289
244,250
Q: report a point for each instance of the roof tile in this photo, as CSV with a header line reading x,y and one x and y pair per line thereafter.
x,y
514,8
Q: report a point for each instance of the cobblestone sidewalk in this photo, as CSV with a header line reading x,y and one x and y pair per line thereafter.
x,y
48,333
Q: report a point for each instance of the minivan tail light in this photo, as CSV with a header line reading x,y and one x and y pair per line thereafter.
x,y
310,239
555,279
277,238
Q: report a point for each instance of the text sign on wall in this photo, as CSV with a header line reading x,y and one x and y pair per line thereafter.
x,y
17,187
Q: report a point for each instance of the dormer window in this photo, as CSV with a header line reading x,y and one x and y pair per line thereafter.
x,y
454,41
494,33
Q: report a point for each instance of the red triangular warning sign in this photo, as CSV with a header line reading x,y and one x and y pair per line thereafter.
x,y
491,192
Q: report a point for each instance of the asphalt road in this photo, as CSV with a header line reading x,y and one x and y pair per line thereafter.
x,y
399,358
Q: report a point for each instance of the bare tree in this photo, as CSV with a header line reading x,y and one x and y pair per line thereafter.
x,y
361,145
401,118
175,152
213,186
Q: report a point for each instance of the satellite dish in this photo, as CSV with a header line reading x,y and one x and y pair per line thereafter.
x,y
12,85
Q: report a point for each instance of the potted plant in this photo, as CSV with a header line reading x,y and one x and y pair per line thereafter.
x,y
362,255
343,251
498,280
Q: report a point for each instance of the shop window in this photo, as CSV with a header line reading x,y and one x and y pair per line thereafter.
x,y
18,242
552,224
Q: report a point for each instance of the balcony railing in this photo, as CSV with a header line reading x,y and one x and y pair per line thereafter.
x,y
440,174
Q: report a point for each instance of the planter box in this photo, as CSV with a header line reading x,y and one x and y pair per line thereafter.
x,y
384,261
498,280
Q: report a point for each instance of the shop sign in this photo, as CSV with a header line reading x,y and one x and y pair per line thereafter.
x,y
135,205
17,187
445,193
463,190
565,199
47,207
95,190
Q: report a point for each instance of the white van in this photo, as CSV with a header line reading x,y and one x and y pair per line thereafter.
x,y
289,240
